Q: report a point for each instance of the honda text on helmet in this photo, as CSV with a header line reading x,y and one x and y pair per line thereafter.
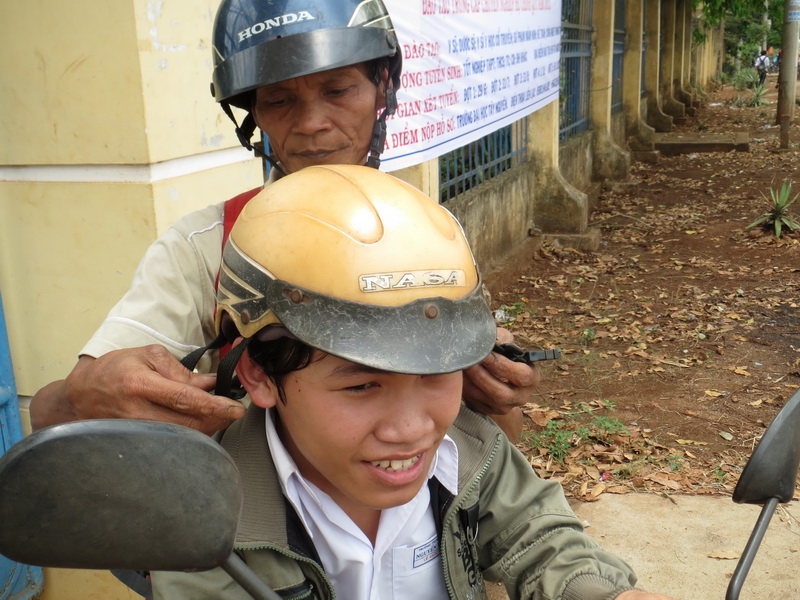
x,y
261,42
369,270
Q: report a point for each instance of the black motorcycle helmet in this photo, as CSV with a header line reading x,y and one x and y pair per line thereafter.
x,y
260,42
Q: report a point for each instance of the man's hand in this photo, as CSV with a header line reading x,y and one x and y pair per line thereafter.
x,y
135,383
498,386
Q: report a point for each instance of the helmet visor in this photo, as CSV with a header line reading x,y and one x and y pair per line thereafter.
x,y
299,55
424,337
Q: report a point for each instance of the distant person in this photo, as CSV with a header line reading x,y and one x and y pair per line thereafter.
x,y
762,65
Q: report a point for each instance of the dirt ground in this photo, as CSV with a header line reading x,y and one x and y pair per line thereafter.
x,y
680,336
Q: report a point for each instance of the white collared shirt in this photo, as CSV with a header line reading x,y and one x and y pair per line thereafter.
x,y
404,564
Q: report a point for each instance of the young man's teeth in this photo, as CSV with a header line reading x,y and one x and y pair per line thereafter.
x,y
396,465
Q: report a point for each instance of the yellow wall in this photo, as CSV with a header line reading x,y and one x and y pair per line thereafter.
x,y
72,92
107,82
68,584
110,135
174,55
64,255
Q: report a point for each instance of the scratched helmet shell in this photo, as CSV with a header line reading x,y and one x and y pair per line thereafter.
x,y
358,264
260,42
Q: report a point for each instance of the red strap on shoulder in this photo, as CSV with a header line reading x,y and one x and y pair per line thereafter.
x,y
232,209
230,213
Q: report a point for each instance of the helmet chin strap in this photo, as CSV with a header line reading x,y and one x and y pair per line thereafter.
x,y
378,142
245,132
227,384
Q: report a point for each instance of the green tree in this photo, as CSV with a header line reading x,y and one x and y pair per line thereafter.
x,y
745,28
715,11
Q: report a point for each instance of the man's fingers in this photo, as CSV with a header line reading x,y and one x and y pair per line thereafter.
x,y
485,393
160,399
516,374
499,384
504,336
191,400
475,398
148,383
170,385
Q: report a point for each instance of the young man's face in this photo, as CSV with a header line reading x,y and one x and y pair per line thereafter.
x,y
325,118
365,437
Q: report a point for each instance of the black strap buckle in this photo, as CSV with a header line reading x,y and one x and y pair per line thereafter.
x,y
517,354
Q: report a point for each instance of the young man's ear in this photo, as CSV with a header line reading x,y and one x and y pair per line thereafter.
x,y
262,390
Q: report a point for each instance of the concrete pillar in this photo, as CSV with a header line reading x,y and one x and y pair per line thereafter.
x,y
787,85
707,63
656,117
609,161
683,54
424,177
690,79
558,206
719,49
670,104
711,57
639,134
701,63
707,59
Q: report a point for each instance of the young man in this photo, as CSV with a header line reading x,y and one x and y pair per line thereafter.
x,y
313,81
362,475
761,65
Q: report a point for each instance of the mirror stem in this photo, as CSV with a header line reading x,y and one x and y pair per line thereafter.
x,y
749,554
244,576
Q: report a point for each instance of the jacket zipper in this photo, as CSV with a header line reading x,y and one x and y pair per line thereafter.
x,y
305,590
448,582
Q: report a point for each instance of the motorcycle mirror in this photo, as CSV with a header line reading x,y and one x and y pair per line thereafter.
x,y
771,470
119,494
768,478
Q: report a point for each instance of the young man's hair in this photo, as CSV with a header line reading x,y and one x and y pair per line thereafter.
x,y
278,358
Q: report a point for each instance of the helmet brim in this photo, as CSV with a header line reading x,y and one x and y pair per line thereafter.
x,y
424,337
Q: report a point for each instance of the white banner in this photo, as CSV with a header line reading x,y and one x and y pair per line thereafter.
x,y
791,9
470,67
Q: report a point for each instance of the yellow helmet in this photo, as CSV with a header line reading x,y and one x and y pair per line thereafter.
x,y
358,264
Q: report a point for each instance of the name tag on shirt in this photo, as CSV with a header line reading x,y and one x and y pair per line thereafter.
x,y
425,553
417,572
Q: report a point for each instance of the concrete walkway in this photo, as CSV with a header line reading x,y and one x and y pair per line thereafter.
x,y
670,144
688,546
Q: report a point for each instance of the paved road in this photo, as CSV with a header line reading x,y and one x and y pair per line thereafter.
x,y
688,546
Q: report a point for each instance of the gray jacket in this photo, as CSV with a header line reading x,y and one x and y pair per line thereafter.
x,y
504,525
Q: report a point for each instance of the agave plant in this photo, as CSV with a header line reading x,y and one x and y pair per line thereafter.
x,y
745,78
778,216
758,96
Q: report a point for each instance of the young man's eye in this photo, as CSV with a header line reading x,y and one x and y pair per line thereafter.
x,y
361,388
436,376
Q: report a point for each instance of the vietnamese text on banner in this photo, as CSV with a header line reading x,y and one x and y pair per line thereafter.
x,y
470,67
